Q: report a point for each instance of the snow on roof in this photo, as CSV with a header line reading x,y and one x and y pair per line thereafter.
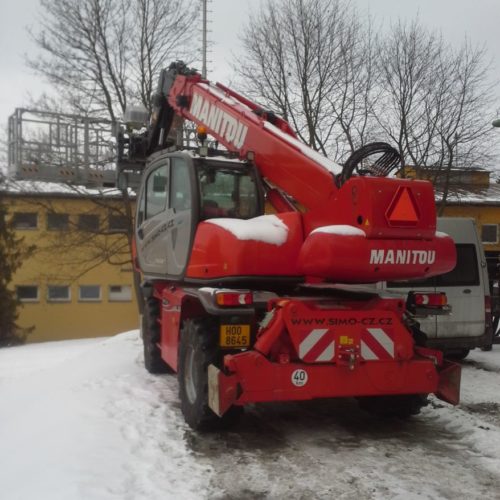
x,y
325,162
471,194
17,187
266,228
341,229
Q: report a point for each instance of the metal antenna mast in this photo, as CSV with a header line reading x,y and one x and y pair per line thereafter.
x,y
204,47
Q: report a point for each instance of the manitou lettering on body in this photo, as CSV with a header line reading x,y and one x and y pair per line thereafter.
x,y
402,256
220,122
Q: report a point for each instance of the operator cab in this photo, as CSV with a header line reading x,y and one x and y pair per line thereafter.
x,y
180,190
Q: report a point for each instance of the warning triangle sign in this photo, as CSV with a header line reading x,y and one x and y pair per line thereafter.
x,y
403,208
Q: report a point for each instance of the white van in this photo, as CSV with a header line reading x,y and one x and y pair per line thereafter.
x,y
467,288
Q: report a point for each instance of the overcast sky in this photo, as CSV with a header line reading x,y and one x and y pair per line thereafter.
x,y
479,19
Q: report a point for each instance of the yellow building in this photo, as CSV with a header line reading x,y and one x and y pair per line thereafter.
x,y
79,281
470,194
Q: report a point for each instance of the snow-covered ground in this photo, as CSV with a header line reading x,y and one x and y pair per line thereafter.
x,y
83,420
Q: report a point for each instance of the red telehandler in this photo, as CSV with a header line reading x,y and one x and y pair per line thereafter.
x,y
252,260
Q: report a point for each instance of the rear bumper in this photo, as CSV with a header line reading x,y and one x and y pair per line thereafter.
x,y
250,378
451,343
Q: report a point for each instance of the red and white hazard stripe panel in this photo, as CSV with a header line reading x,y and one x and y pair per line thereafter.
x,y
317,346
376,344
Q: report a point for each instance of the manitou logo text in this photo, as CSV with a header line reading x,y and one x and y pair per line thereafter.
x,y
402,257
222,123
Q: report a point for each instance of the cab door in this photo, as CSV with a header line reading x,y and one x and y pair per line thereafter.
x,y
165,227
181,206
152,220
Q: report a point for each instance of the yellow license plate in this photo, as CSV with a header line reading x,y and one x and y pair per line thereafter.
x,y
235,335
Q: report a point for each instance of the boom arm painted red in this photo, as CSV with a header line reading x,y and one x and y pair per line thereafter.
x,y
368,229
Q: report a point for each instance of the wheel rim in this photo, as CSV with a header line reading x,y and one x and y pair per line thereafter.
x,y
189,376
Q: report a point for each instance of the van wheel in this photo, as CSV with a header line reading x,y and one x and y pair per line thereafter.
x,y
197,350
457,355
151,333
401,406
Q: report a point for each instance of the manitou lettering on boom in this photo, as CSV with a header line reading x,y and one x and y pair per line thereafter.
x,y
402,256
222,123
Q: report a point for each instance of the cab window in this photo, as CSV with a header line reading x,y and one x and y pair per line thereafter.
x,y
156,192
180,185
227,192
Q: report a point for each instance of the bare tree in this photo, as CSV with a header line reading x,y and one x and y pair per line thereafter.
x,y
355,92
309,61
435,101
341,84
99,54
406,62
464,129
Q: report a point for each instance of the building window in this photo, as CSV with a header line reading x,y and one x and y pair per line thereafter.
x,y
25,220
27,293
118,223
89,293
489,233
120,293
88,222
57,222
58,293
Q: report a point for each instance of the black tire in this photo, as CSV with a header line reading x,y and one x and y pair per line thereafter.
x,y
494,324
151,333
457,355
197,350
401,406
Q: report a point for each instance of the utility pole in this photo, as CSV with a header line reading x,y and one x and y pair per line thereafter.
x,y
204,48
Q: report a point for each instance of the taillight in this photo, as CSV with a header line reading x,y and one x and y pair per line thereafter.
x,y
425,303
488,319
487,304
438,299
233,299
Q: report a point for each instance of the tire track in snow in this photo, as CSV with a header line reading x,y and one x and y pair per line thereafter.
x,y
155,461
326,449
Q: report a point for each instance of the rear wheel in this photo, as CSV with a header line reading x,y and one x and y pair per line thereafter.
x,y
197,350
151,334
402,406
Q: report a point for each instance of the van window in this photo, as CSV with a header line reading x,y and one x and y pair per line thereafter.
x,y
465,273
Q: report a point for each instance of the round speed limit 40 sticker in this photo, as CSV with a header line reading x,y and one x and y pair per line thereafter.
x,y
299,378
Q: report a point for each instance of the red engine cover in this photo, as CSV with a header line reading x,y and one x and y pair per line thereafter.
x,y
346,255
264,246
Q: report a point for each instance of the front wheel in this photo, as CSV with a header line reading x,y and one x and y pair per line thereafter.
x,y
197,351
151,333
